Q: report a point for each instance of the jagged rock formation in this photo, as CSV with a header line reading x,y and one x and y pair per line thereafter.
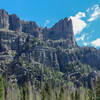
x,y
28,45
14,23
61,34
4,19
32,28
62,31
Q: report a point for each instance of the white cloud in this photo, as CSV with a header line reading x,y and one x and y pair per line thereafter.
x,y
80,15
85,44
81,38
78,23
96,42
95,14
46,22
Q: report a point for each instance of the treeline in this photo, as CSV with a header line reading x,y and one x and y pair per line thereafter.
x,y
28,92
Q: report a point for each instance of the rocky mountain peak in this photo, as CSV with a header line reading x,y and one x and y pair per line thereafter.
x,y
62,31
63,26
30,27
2,11
61,34
4,19
15,23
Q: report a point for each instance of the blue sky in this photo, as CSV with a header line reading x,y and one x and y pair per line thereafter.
x,y
84,13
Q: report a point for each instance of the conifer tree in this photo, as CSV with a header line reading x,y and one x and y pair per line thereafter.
x,y
98,89
47,92
43,94
77,95
61,95
1,88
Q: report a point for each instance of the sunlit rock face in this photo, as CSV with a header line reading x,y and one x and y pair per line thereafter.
x,y
63,29
4,19
61,34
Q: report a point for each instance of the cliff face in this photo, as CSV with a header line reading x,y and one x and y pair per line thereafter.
x,y
61,34
14,23
63,30
4,19
32,28
23,45
14,32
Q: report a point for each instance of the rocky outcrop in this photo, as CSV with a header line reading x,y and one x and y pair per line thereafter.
x,y
61,31
10,43
61,34
10,38
32,28
15,23
89,56
45,56
4,19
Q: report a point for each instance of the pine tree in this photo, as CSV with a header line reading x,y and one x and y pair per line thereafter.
x,y
77,95
25,92
90,94
61,95
1,88
98,89
43,94
72,96
47,92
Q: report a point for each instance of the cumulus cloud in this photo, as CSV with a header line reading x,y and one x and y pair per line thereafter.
x,y
78,23
81,38
96,42
46,23
95,14
80,15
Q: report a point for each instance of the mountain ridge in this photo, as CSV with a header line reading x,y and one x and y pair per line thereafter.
x,y
23,45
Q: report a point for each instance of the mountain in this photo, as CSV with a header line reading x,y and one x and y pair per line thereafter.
x,y
14,29
29,53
